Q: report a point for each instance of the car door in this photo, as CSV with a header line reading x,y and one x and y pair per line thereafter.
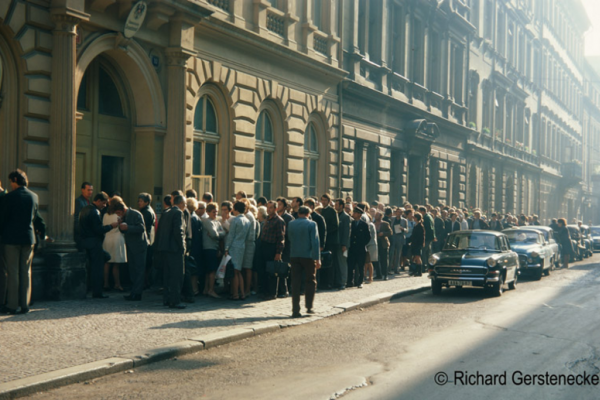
x,y
509,259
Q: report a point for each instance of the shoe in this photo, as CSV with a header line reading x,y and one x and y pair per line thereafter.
x,y
359,286
6,310
282,296
342,288
133,297
23,311
385,278
100,296
296,315
310,311
179,306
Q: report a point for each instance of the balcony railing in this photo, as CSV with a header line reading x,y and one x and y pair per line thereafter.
x,y
572,171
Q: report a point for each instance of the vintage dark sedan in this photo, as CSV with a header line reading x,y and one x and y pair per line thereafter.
x,y
475,258
578,246
587,240
535,256
595,234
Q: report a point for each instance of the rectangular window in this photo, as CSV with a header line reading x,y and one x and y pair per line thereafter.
x,y
204,165
399,45
263,166
501,34
457,73
434,62
318,14
488,24
418,53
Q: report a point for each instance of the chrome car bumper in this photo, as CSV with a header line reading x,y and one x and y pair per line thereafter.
x,y
481,281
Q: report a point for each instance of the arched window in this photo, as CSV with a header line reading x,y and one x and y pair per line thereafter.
x,y
206,138
311,156
263,161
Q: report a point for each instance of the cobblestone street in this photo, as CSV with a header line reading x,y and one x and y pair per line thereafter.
x,y
56,335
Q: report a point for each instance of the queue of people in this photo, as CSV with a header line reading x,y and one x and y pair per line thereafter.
x,y
269,248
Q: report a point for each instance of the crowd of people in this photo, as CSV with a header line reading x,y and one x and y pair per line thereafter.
x,y
269,248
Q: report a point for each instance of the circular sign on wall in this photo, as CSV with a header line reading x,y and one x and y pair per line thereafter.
x,y
135,19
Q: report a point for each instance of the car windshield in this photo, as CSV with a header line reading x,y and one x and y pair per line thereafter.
x,y
467,241
519,237
595,231
543,232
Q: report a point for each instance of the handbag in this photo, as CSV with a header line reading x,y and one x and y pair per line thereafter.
x,y
278,268
222,267
326,259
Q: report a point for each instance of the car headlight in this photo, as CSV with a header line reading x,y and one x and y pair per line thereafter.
x,y
491,262
433,260
534,254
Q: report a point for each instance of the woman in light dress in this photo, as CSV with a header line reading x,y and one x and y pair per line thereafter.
x,y
212,233
114,244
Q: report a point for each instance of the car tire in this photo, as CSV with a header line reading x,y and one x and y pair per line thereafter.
x,y
436,288
547,270
498,288
539,272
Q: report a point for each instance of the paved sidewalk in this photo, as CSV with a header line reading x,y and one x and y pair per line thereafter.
x,y
57,335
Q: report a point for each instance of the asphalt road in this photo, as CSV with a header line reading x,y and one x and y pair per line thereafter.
x,y
398,350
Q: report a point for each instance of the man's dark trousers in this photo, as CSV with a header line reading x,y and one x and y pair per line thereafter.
x,y
267,284
96,260
173,269
303,268
137,268
356,267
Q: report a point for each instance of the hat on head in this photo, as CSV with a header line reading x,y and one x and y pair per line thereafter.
x,y
358,210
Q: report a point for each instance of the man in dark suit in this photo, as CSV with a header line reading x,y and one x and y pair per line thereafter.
x,y
440,230
359,238
19,221
87,190
341,260
495,224
170,246
92,235
315,216
144,205
134,229
430,235
332,223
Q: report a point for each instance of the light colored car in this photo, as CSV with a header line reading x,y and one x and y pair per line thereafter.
x,y
535,256
549,237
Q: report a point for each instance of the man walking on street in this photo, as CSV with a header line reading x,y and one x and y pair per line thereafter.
x,y
136,239
306,260
272,242
341,260
430,236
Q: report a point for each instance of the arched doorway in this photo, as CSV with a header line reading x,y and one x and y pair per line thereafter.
x,y
104,130
9,110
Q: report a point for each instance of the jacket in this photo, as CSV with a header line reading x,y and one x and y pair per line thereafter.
x,y
383,241
149,222
359,236
235,241
80,203
170,235
417,240
429,227
19,214
135,235
322,228
304,239
332,223
482,224
91,230
344,229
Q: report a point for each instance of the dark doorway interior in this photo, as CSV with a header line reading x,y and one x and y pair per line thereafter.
x,y
112,174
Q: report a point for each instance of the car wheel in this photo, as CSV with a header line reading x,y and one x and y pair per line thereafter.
x,y
538,273
557,262
513,284
436,288
498,288
547,270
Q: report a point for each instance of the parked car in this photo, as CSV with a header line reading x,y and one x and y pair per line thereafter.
x,y
578,247
535,256
475,258
550,241
587,240
595,234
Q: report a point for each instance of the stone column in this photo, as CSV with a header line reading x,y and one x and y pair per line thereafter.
x,y
175,157
62,130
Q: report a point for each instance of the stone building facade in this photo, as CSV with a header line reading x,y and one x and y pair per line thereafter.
x,y
478,103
